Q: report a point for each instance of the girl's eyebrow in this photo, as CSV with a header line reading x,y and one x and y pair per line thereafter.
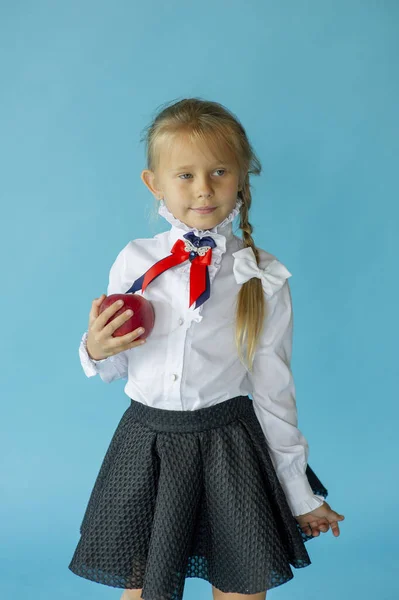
x,y
181,168
192,166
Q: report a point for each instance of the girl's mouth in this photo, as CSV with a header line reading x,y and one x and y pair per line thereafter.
x,y
204,211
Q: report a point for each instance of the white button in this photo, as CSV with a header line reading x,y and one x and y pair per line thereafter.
x,y
174,376
181,321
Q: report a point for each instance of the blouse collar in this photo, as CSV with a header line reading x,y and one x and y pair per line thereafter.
x,y
220,233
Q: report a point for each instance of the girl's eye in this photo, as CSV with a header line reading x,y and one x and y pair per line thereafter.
x,y
190,173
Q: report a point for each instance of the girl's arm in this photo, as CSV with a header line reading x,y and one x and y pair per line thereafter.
x,y
115,366
109,369
273,394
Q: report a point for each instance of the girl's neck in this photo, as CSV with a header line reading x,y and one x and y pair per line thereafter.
x,y
224,228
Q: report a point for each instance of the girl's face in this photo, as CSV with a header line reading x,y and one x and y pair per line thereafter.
x,y
188,179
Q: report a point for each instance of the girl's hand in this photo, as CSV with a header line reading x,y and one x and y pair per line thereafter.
x,y
100,341
319,520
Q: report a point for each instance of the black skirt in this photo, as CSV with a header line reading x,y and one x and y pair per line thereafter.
x,y
190,494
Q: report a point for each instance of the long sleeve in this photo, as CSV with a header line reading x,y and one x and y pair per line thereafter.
x,y
115,366
273,393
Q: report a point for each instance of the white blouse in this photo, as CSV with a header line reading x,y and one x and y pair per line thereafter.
x,y
188,342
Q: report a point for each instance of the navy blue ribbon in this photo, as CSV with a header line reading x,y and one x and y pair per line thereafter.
x,y
197,242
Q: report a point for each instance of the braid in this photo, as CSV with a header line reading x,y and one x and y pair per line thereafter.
x,y
251,305
246,226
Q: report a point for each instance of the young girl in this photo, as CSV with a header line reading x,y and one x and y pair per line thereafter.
x,y
200,480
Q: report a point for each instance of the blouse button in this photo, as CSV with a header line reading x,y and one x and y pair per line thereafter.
x,y
174,376
181,321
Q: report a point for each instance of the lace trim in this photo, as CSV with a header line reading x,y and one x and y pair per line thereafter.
x,y
308,505
165,212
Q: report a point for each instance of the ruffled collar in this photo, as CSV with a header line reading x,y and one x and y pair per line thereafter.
x,y
220,233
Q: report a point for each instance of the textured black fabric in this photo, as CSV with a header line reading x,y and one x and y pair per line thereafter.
x,y
190,494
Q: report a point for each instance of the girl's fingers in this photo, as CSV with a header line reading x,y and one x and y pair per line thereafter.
x,y
94,308
334,524
307,530
316,526
97,301
324,526
310,529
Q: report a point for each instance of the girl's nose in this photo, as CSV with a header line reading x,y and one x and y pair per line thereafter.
x,y
204,189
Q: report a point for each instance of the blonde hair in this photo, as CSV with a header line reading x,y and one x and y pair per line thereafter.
x,y
210,122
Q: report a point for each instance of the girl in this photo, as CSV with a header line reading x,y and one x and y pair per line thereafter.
x,y
200,480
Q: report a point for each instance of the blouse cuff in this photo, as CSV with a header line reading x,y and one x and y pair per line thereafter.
x,y
88,364
300,496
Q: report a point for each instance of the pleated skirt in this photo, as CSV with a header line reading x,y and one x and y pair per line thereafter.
x,y
190,494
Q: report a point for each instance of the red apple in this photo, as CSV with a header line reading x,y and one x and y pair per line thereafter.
x,y
143,314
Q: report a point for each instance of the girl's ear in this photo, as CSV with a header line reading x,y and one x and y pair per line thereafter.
x,y
148,178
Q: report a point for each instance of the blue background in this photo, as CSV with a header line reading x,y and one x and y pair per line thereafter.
x,y
315,84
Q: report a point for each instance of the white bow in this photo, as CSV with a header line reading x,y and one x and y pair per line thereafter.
x,y
272,276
